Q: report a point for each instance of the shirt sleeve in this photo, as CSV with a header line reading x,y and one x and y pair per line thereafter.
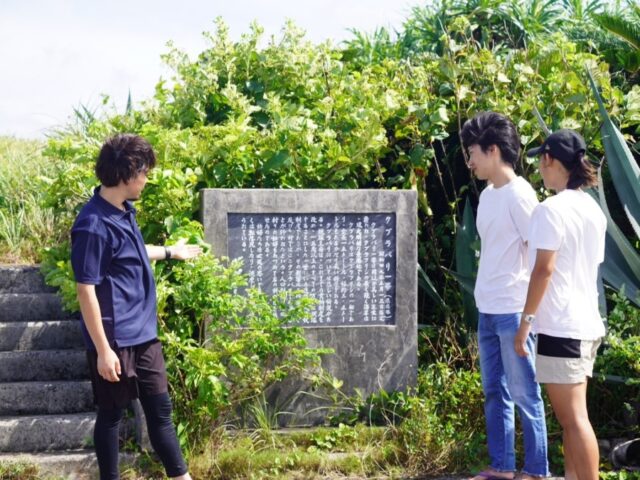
x,y
90,255
546,231
521,210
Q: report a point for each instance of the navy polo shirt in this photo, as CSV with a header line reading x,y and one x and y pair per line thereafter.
x,y
107,250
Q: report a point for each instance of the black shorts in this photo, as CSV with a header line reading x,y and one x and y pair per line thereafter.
x,y
143,374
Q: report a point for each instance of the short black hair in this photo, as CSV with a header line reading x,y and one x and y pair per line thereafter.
x,y
122,157
491,128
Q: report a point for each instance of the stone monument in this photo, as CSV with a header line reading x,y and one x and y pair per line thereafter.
x,y
355,251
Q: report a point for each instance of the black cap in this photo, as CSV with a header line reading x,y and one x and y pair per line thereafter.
x,y
564,145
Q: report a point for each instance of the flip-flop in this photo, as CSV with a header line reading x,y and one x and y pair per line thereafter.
x,y
490,476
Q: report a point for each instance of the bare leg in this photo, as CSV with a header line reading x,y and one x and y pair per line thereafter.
x,y
569,469
569,402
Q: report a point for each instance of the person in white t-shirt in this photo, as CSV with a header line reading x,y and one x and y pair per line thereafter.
x,y
508,380
566,247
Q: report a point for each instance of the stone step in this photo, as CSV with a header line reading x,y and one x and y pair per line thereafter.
x,y
43,365
35,398
74,465
31,307
45,335
39,433
22,279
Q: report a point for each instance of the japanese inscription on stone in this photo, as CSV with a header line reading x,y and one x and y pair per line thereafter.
x,y
347,261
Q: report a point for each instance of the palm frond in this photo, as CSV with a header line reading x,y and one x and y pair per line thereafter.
x,y
621,27
582,9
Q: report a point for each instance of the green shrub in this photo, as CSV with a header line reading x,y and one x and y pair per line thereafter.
x,y
381,408
57,270
623,319
444,430
225,344
620,475
614,392
621,357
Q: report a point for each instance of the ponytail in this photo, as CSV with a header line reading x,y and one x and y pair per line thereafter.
x,y
581,172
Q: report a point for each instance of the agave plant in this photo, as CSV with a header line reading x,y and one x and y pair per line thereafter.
x,y
467,252
467,263
621,268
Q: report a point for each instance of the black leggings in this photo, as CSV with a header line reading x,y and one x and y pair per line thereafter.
x,y
157,409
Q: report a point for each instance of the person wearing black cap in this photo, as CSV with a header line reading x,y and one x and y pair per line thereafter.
x,y
566,247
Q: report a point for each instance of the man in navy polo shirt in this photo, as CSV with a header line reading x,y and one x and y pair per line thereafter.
x,y
117,297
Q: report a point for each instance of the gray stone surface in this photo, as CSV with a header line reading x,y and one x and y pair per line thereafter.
x,y
44,335
39,347
22,279
46,401
74,465
52,397
46,432
43,365
77,465
368,358
40,433
31,307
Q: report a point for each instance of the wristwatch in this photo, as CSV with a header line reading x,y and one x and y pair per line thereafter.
x,y
529,318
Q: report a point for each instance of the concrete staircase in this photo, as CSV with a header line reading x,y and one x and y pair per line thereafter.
x,y
46,402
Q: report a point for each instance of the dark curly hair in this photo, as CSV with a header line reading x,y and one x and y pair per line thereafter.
x,y
491,128
122,157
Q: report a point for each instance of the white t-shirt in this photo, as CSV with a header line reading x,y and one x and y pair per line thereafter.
x,y
503,224
572,224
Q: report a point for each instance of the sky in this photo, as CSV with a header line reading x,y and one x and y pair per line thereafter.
x,y
59,54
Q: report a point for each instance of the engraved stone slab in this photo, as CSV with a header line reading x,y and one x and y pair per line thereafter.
x,y
355,251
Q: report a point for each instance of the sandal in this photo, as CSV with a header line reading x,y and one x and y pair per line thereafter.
x,y
487,475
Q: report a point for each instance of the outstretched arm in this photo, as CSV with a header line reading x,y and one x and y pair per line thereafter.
x,y
179,251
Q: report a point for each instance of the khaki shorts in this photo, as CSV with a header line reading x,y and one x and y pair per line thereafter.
x,y
564,360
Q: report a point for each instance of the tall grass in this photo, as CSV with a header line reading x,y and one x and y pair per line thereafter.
x,y
25,225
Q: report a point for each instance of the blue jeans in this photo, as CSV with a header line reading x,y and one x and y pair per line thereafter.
x,y
509,379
